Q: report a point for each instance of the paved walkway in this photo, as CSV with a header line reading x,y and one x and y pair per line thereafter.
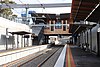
x,y
76,57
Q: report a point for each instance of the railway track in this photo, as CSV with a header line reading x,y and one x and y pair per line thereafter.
x,y
44,59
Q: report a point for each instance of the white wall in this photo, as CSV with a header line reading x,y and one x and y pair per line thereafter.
x,y
12,27
89,40
94,38
17,54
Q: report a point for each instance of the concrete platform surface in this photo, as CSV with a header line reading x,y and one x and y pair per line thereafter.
x,y
83,58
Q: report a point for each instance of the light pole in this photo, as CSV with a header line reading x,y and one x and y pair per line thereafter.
x,y
7,36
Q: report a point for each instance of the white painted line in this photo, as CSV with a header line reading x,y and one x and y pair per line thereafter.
x,y
17,54
61,59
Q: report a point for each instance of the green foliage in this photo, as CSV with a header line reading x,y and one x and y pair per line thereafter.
x,y
6,11
14,15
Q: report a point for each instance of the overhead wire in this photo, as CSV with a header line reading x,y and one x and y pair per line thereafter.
x,y
44,9
41,6
24,3
21,2
34,13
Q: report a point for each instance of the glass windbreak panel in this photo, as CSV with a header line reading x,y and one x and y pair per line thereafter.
x,y
58,25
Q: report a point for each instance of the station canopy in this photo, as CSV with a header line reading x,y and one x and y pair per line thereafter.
x,y
77,28
85,10
20,32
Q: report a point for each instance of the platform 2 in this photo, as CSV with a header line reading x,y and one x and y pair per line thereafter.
x,y
76,57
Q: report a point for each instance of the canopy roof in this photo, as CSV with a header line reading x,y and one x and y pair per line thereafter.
x,y
77,28
81,9
20,32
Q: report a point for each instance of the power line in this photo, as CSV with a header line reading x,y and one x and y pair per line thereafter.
x,y
34,13
24,3
44,8
21,2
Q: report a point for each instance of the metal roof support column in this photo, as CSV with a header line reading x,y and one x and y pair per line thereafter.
x,y
26,14
24,41
77,29
7,38
12,41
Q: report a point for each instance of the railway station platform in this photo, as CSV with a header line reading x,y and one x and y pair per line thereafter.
x,y
77,35
19,55
76,57
67,56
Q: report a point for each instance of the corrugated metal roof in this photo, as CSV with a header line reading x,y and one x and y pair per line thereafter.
x,y
82,8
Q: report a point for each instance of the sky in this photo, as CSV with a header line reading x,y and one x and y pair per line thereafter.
x,y
57,10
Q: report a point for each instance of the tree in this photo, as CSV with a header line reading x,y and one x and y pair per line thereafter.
x,y
6,12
